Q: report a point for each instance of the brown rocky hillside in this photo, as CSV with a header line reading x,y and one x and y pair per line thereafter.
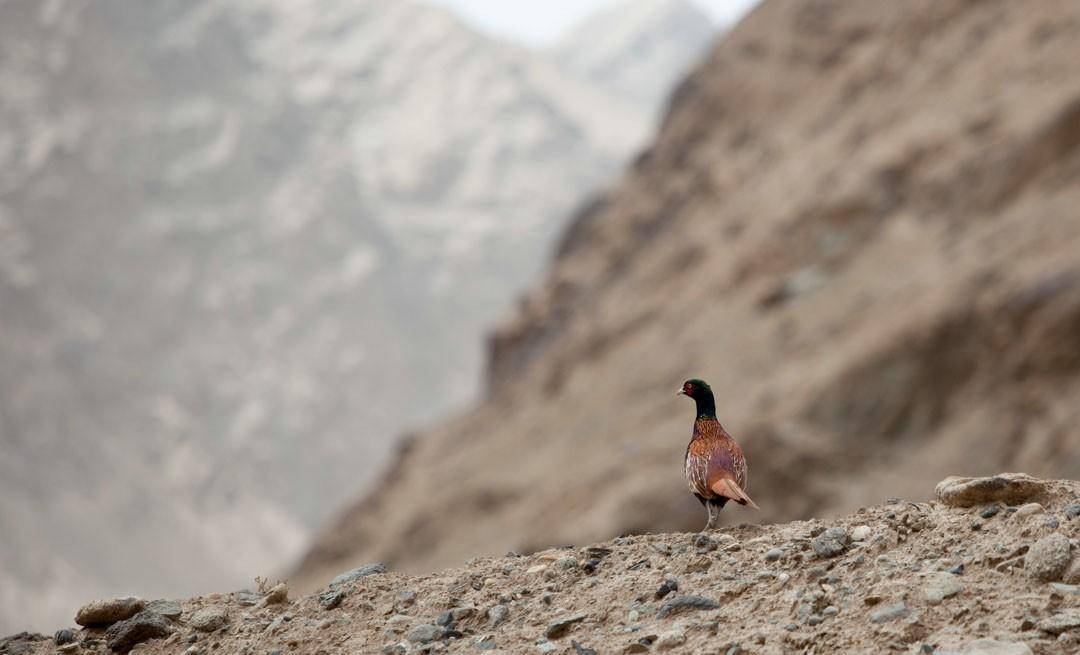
x,y
859,223
989,569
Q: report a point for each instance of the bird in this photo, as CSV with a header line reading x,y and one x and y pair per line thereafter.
x,y
714,464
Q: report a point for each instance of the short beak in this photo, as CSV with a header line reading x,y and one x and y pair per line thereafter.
x,y
680,392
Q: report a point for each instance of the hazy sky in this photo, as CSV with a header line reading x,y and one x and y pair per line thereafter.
x,y
540,21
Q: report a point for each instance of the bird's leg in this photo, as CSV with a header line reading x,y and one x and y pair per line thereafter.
x,y
709,509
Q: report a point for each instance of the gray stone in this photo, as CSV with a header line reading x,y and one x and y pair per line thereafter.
x,y
1060,622
889,612
331,598
1008,488
245,597
124,635
1048,557
940,586
424,633
1066,589
167,608
685,603
831,610
1072,511
993,647
860,533
356,574
497,614
484,642
108,610
666,588
209,619
558,628
64,636
773,554
831,543
990,511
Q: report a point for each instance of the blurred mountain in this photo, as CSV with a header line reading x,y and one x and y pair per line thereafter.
x,y
243,244
631,47
858,223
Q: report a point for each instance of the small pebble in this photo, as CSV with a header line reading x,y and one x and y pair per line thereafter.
x,y
331,598
889,613
831,542
666,588
990,511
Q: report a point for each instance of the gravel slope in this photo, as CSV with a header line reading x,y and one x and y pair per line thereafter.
x,y
899,576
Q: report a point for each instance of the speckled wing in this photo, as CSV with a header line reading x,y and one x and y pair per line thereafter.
x,y
727,472
701,453
697,468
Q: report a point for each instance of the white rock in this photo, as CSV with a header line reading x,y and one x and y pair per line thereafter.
x,y
940,586
993,647
1028,510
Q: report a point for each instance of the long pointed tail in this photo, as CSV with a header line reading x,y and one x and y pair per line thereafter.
x,y
726,487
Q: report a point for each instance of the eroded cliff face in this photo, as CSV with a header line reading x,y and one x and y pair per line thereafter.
x,y
859,223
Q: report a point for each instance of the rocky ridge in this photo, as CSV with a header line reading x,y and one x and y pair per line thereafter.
x,y
998,575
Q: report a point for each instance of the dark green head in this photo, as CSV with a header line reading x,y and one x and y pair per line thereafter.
x,y
702,395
